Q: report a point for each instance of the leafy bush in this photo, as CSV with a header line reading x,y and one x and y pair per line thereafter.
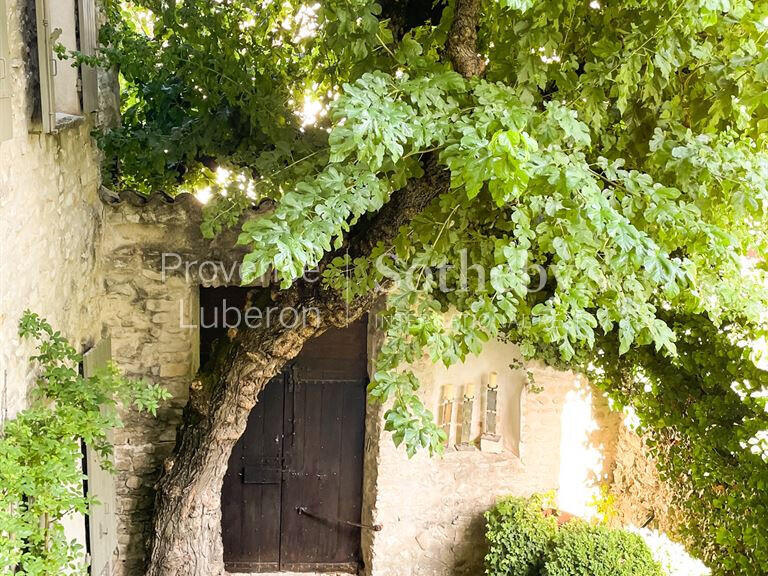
x,y
518,534
581,549
526,541
41,481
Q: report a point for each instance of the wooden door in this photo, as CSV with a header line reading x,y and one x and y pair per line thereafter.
x,y
250,497
292,495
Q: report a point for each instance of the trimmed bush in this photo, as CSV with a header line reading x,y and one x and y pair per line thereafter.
x,y
581,549
518,535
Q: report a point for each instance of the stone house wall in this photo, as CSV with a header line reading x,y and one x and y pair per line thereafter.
x,y
640,495
431,509
51,230
51,226
142,315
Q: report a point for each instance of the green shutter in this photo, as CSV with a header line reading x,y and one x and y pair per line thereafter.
x,y
89,41
46,65
6,117
101,485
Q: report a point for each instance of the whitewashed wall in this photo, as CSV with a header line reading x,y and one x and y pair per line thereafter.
x,y
50,233
431,509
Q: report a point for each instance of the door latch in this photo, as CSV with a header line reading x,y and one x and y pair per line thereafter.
x,y
303,510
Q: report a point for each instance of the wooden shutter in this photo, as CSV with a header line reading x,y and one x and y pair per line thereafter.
x,y
6,118
445,413
46,65
102,526
466,413
89,41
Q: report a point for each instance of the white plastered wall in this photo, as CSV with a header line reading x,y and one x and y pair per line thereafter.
x,y
50,235
431,509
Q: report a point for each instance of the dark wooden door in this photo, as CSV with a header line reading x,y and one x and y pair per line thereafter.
x,y
250,503
293,491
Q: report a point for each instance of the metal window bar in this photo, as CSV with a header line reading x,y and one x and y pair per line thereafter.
x,y
491,403
446,411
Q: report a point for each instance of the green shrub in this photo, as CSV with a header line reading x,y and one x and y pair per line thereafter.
x,y
581,549
41,478
518,535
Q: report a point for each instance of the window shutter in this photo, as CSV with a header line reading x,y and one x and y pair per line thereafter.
x,y
46,65
466,413
6,118
102,526
89,42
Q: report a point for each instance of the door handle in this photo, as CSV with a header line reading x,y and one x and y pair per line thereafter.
x,y
303,510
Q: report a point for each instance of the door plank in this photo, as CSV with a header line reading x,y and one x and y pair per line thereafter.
x,y
330,435
303,447
351,459
251,510
231,507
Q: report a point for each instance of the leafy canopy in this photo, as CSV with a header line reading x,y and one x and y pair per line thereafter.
x,y
620,145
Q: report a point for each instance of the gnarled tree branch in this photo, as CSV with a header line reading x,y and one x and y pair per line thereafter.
x,y
462,40
186,525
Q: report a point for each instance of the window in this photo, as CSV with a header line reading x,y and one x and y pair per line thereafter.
x,y
484,413
6,119
65,92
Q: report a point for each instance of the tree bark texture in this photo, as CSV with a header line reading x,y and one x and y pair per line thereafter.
x,y
462,40
186,530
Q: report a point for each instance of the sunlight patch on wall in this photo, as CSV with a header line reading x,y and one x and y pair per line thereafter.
x,y
581,463
204,195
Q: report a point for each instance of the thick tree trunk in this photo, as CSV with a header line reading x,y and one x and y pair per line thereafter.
x,y
462,40
187,510
186,538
